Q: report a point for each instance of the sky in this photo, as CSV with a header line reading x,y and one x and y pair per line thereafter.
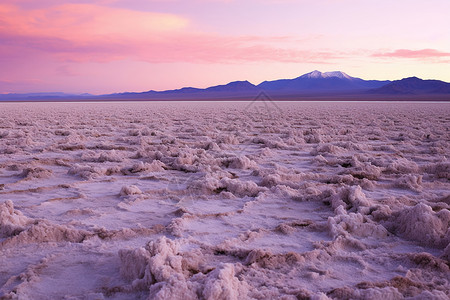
x,y
108,46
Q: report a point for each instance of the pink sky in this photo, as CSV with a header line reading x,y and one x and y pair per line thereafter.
x,y
105,46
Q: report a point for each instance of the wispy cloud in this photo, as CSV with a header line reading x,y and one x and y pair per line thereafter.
x,y
97,33
10,86
417,54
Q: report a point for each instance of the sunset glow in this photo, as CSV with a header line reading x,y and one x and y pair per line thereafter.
x,y
107,46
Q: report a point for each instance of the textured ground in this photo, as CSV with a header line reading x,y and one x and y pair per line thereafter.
x,y
224,201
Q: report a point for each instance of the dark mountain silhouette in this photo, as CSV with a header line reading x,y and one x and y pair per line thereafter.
x,y
52,95
232,89
318,81
315,82
236,86
415,86
314,85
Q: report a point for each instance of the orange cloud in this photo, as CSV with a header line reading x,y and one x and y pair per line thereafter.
x,y
92,32
86,22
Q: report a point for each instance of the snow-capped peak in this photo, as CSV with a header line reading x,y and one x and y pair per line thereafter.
x,y
313,74
316,74
338,74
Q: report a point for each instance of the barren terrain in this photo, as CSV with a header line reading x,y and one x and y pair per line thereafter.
x,y
247,200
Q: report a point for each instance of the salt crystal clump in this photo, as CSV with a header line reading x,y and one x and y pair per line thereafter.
x,y
352,199
238,162
86,172
44,231
177,226
271,178
365,170
240,188
321,161
381,212
446,254
312,136
3,134
186,161
403,166
186,158
168,273
175,287
89,155
71,146
441,169
430,295
209,183
223,284
212,146
134,132
274,143
353,146
268,260
157,262
323,149
130,190
286,191
134,263
420,223
355,224
62,132
36,173
319,296
12,221
104,156
411,182
375,293
154,166
8,150
227,139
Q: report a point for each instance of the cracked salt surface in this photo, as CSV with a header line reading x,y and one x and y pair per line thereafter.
x,y
224,201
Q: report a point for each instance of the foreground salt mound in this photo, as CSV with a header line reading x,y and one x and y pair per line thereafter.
x,y
238,162
19,229
12,221
154,166
130,190
105,156
86,172
45,231
403,166
351,199
420,223
35,173
167,273
411,182
354,224
440,169
217,183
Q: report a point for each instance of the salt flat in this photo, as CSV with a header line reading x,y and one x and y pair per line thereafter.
x,y
188,200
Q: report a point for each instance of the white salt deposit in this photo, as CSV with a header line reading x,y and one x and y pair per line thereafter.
x,y
224,201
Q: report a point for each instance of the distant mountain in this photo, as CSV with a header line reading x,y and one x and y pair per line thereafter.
x,y
415,86
314,82
318,81
319,75
232,89
40,96
313,85
235,86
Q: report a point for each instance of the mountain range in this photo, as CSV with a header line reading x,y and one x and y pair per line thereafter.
x,y
313,85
